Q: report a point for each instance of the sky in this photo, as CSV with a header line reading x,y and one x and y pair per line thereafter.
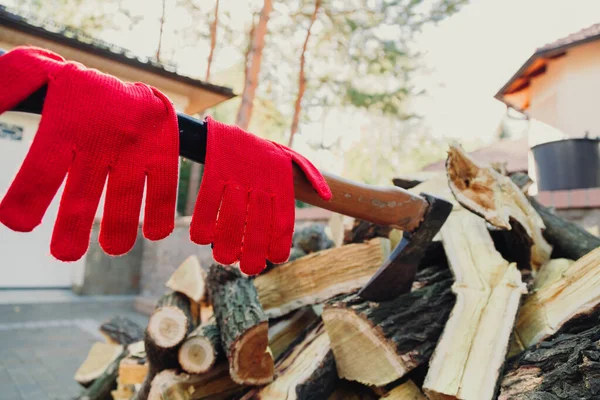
x,y
473,53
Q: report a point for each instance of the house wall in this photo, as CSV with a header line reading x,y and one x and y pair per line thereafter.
x,y
567,94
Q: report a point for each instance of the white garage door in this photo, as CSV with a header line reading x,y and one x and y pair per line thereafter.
x,y
25,259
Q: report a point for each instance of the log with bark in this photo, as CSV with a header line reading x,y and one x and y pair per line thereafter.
x,y
500,201
468,359
575,293
216,384
189,279
121,330
243,325
168,327
305,371
312,238
201,349
319,276
377,343
565,366
569,239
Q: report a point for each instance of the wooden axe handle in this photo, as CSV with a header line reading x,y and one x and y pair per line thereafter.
x,y
391,206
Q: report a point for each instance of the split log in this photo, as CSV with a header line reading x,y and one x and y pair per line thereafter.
x,y
306,371
132,370
405,391
168,326
319,276
469,356
566,366
200,351
283,332
105,383
99,358
121,330
189,278
216,384
377,343
575,294
552,271
311,239
499,200
243,325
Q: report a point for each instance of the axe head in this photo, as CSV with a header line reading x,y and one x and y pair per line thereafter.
x,y
396,275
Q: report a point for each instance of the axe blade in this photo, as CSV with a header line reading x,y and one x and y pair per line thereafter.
x,y
397,273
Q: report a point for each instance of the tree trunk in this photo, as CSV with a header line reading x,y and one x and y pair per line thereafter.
x,y
243,325
160,34
253,64
566,366
301,76
319,276
196,169
200,351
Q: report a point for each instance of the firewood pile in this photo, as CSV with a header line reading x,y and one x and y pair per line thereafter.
x,y
504,306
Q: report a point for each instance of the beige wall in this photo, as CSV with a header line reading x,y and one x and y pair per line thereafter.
x,y
567,95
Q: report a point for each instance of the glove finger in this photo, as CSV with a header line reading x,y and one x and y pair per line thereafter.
x,y
204,220
38,180
230,225
120,220
258,231
161,199
163,170
85,182
283,207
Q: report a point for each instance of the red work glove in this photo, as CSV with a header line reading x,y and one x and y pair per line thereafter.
x,y
245,205
93,126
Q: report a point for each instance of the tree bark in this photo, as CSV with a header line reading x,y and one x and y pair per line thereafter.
x,y
319,276
243,325
253,65
122,330
201,350
196,168
301,76
565,366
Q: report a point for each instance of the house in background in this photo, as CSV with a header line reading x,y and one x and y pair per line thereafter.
x,y
25,261
559,86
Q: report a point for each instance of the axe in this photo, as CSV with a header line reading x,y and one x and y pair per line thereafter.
x,y
420,217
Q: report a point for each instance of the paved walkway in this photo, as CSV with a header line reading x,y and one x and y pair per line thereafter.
x,y
42,344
